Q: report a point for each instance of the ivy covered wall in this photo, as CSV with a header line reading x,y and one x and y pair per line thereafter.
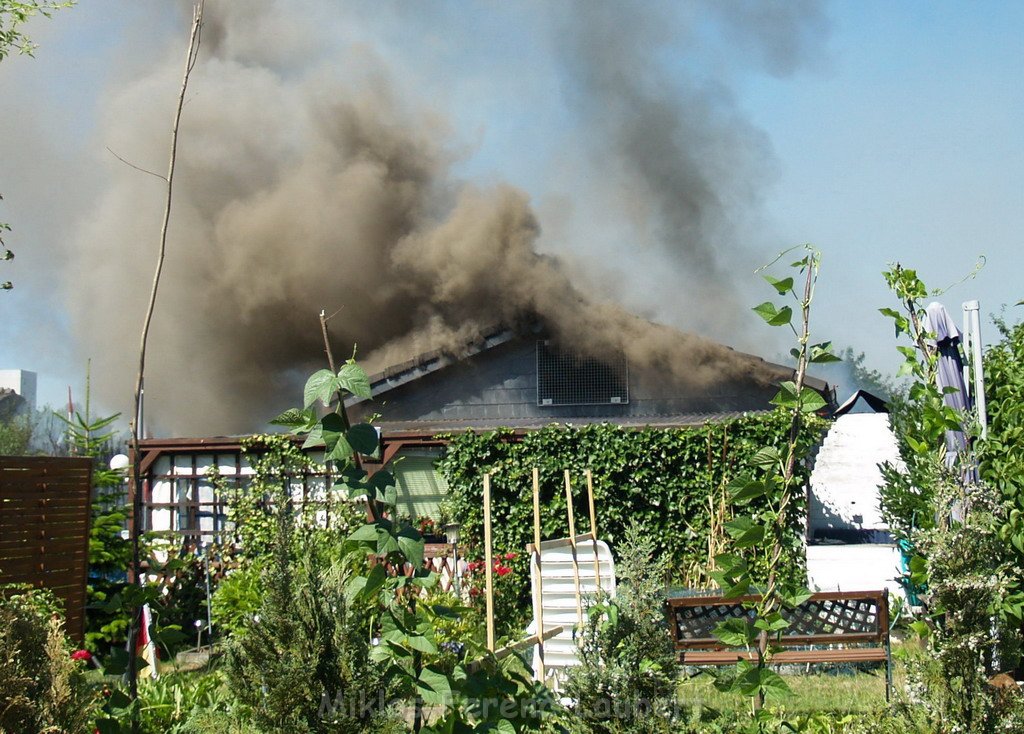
x,y
671,481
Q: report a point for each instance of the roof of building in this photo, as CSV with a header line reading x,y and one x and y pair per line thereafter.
x,y
436,360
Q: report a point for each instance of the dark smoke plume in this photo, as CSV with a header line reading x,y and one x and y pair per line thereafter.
x,y
309,179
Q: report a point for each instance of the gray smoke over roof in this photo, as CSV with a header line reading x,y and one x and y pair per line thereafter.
x,y
312,176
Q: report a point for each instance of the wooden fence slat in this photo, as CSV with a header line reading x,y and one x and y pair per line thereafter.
x,y
44,528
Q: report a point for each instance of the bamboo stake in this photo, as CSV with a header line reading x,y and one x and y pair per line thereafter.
x,y
489,561
593,529
572,543
540,575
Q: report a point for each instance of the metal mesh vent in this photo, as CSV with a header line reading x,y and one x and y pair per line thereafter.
x,y
565,377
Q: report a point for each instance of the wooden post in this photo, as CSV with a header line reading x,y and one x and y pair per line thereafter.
x,y
593,529
572,545
488,560
540,574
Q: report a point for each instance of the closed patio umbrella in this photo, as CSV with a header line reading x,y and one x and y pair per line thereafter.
x,y
950,374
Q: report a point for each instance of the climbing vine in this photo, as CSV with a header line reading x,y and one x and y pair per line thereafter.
x,y
663,479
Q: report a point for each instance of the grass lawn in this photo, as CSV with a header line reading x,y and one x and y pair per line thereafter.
x,y
838,692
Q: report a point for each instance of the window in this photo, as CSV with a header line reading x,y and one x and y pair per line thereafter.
x,y
566,377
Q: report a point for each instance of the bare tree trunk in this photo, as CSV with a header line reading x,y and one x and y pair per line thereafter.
x,y
136,517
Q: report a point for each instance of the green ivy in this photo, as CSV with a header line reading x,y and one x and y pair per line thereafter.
x,y
1001,454
660,478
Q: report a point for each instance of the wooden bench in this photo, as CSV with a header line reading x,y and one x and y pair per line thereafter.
x,y
857,620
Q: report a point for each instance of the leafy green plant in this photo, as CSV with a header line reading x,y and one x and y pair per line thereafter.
x,y
1000,461
385,582
236,599
970,597
302,663
167,704
16,436
773,479
109,552
13,14
625,681
658,478
43,689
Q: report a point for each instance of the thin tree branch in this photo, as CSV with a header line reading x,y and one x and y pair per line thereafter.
x,y
327,341
133,635
137,168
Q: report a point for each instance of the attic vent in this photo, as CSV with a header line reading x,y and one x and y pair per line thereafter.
x,y
565,377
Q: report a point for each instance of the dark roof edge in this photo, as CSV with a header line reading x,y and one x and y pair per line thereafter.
x,y
436,360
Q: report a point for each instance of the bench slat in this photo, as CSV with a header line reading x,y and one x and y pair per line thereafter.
x,y
847,655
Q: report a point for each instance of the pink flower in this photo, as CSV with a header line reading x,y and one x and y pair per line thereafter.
x,y
83,655
510,556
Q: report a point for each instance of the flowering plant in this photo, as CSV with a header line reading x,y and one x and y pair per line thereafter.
x,y
429,526
508,569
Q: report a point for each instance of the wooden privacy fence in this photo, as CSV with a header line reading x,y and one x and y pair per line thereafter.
x,y
45,507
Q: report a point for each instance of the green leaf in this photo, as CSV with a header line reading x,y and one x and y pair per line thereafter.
x,y
363,438
783,286
351,377
321,385
332,428
421,643
767,457
900,321
822,353
315,437
772,623
295,419
745,532
795,597
410,542
744,491
811,400
365,533
374,581
169,636
735,632
773,315
433,686
773,685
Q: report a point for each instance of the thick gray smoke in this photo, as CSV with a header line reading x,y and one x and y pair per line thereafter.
x,y
309,178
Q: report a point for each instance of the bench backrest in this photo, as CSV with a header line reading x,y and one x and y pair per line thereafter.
x,y
825,618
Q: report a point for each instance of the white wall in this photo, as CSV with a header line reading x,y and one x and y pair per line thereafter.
x,y
22,382
861,567
845,479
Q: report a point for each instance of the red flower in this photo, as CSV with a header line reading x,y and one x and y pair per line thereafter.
x,y
84,655
503,570
510,556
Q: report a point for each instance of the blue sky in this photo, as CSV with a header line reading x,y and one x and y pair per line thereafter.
x,y
897,133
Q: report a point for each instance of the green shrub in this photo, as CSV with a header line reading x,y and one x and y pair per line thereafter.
x,y
167,704
42,688
236,600
302,663
625,681
661,479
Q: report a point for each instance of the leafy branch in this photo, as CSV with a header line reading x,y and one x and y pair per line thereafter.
x,y
773,480
14,14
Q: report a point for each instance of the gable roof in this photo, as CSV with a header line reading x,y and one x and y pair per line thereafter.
x,y
431,362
